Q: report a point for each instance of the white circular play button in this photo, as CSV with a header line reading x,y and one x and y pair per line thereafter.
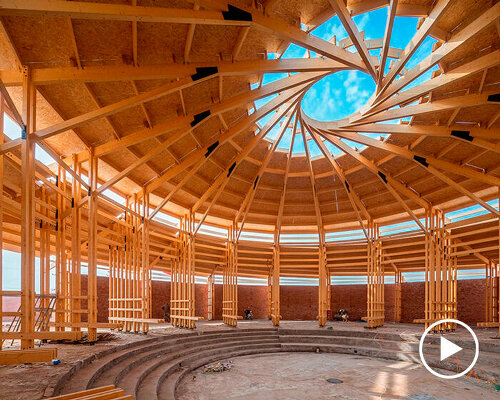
x,y
448,348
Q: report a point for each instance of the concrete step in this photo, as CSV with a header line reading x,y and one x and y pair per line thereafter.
x,y
149,380
113,373
167,386
91,368
130,377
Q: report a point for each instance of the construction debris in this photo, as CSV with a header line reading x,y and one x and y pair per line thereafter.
x,y
217,367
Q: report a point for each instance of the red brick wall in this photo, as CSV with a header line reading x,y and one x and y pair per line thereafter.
x,y
301,302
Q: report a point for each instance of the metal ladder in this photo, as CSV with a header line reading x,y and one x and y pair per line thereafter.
x,y
44,307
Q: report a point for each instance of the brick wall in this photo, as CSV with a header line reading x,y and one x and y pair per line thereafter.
x,y
301,302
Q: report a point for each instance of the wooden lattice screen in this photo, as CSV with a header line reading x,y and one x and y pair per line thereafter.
x,y
230,281
375,275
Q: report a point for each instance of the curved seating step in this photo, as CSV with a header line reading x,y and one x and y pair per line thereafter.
x,y
132,375
91,368
167,386
147,385
113,373
152,368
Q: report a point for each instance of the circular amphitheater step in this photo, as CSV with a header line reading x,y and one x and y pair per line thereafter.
x,y
152,368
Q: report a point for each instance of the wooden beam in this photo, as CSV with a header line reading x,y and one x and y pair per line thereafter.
x,y
353,32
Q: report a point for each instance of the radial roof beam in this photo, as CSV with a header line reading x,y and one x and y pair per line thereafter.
x,y
246,205
223,179
438,10
353,197
122,105
317,208
421,159
458,39
391,13
194,119
388,181
353,32
233,131
288,32
281,207
480,64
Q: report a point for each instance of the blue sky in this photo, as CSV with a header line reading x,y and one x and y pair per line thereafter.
x,y
343,93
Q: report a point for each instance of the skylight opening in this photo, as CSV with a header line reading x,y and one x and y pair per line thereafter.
x,y
404,28
294,51
329,29
338,95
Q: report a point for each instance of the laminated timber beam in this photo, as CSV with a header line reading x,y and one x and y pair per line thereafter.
x,y
206,151
354,34
458,39
112,73
473,67
230,15
391,14
438,10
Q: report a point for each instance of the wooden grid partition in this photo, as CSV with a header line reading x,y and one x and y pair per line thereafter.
x,y
182,296
230,281
375,275
440,273
274,305
129,272
492,285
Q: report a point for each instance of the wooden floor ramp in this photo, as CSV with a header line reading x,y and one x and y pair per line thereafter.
x,y
100,393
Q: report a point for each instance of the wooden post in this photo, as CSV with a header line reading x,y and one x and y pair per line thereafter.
x,y
398,279
76,279
210,297
275,285
1,217
28,211
92,250
323,283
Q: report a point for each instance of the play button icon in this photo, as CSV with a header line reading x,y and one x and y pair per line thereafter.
x,y
448,348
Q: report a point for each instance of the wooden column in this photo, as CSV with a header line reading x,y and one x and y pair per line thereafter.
x,y
145,271
275,285
76,276
269,292
230,280
375,286
210,297
1,217
182,296
28,212
92,250
323,283
440,273
398,279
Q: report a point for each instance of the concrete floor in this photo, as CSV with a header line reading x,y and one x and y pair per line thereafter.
x,y
302,376
34,381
